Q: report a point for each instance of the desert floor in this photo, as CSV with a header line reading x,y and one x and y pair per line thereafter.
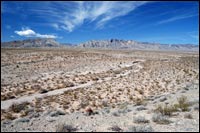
x,y
74,89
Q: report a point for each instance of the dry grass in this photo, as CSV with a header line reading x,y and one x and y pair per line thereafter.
x,y
166,109
182,103
169,109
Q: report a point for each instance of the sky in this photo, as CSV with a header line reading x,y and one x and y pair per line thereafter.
x,y
77,22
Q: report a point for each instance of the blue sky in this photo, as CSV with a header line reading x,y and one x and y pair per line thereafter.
x,y
76,22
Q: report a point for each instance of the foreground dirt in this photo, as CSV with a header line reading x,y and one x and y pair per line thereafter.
x,y
98,90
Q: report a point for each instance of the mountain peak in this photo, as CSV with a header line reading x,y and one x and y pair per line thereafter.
x,y
37,42
131,44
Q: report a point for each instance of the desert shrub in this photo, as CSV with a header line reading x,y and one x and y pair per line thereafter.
x,y
84,103
18,107
57,113
10,116
141,108
36,87
140,119
163,99
141,91
115,128
196,107
139,101
69,84
160,119
142,128
115,113
182,103
166,110
65,128
189,116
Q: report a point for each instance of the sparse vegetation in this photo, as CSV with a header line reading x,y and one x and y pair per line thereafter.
x,y
188,116
169,109
139,101
140,119
65,128
166,109
115,128
142,128
196,107
182,103
152,81
18,107
160,119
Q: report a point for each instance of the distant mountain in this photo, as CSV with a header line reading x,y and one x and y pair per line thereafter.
x,y
130,44
69,44
38,42
111,44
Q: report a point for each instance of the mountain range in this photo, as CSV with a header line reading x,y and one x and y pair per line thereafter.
x,y
38,42
110,44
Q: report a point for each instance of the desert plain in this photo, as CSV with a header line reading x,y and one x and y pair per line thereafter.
x,y
79,89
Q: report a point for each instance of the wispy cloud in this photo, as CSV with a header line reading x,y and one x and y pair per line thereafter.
x,y
26,32
8,27
12,36
101,12
194,34
71,15
175,18
54,25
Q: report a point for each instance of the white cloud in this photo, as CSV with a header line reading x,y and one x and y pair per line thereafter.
x,y
26,32
71,15
45,36
100,11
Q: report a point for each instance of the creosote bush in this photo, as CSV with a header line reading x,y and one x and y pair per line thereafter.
x,y
169,109
19,107
65,128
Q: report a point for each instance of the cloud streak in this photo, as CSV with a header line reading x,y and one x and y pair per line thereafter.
x,y
100,12
71,15
175,18
26,32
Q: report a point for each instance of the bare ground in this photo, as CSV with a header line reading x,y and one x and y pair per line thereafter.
x,y
98,90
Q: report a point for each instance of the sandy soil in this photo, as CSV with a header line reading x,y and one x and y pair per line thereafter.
x,y
99,90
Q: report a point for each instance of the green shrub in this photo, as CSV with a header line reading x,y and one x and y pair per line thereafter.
x,y
183,103
166,110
